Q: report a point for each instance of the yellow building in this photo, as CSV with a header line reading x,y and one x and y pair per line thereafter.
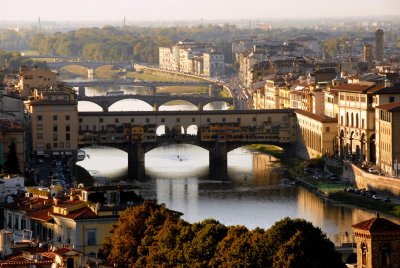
x,y
54,124
35,78
316,134
387,121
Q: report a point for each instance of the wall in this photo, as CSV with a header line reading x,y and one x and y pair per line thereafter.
x,y
363,179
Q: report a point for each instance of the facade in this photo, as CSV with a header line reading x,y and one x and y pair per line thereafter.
x,y
272,89
331,103
378,243
214,64
316,134
31,79
54,124
387,126
356,122
368,55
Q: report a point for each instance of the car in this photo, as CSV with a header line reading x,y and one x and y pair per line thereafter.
x,y
372,170
376,197
387,199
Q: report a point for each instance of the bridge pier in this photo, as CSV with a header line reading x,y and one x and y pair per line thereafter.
x,y
90,73
218,161
82,91
136,161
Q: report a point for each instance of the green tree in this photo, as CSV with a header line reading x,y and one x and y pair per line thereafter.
x,y
11,163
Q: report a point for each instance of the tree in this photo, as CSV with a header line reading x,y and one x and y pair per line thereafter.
x,y
299,242
11,163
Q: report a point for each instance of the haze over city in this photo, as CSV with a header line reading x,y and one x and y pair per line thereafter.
x,y
73,10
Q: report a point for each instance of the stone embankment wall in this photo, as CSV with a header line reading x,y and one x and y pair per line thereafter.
x,y
364,179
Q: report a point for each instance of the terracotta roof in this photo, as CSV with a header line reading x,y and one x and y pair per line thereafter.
x,y
391,107
353,88
29,204
79,214
388,90
377,225
61,251
320,118
42,214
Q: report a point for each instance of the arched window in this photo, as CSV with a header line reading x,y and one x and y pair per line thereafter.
x,y
364,255
386,256
356,120
347,119
352,120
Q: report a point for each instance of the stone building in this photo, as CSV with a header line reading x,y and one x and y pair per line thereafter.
x,y
378,243
35,78
387,127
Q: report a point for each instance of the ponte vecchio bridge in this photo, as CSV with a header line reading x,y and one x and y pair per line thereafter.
x,y
216,131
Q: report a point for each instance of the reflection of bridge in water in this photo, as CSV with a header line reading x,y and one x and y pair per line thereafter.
x,y
216,131
156,101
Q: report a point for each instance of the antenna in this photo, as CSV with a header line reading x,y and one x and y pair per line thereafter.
x,y
40,25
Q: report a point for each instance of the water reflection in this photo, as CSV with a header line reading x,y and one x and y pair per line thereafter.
x,y
251,195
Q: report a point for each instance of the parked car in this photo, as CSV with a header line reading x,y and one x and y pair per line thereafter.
x,y
376,197
387,199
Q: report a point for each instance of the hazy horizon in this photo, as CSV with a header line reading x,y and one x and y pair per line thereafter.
x,y
175,10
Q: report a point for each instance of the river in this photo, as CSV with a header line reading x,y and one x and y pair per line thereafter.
x,y
250,195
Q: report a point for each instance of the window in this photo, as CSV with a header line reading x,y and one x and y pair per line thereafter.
x,y
391,99
132,120
208,120
178,120
67,117
327,129
39,136
223,120
39,118
193,119
80,120
16,222
9,221
55,137
68,235
254,119
55,145
55,117
91,235
162,120
55,128
147,120
239,119
68,145
101,120
61,145
67,128
67,136
39,127
116,120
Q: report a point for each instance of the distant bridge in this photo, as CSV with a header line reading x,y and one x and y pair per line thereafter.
x,y
88,64
133,83
155,100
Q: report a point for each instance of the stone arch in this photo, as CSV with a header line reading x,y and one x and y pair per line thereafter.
x,y
192,130
178,130
186,101
347,118
163,130
94,106
207,106
140,104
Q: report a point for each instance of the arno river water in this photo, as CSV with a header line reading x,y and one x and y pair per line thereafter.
x,y
250,195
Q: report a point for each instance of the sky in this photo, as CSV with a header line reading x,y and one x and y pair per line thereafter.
x,y
152,10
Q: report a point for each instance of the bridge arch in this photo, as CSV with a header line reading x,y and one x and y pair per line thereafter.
x,y
162,106
89,106
192,130
130,104
217,105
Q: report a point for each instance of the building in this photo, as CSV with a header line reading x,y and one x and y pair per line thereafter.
x,y
12,132
316,135
331,103
271,92
378,243
368,55
36,78
82,221
54,123
10,185
214,64
387,122
379,45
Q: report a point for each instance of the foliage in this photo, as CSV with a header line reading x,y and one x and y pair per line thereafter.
x,y
14,60
11,163
150,235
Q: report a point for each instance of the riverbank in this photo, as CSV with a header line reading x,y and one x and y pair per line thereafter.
x,y
331,190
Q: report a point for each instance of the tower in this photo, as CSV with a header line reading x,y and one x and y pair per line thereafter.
x,y
368,56
378,243
379,45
